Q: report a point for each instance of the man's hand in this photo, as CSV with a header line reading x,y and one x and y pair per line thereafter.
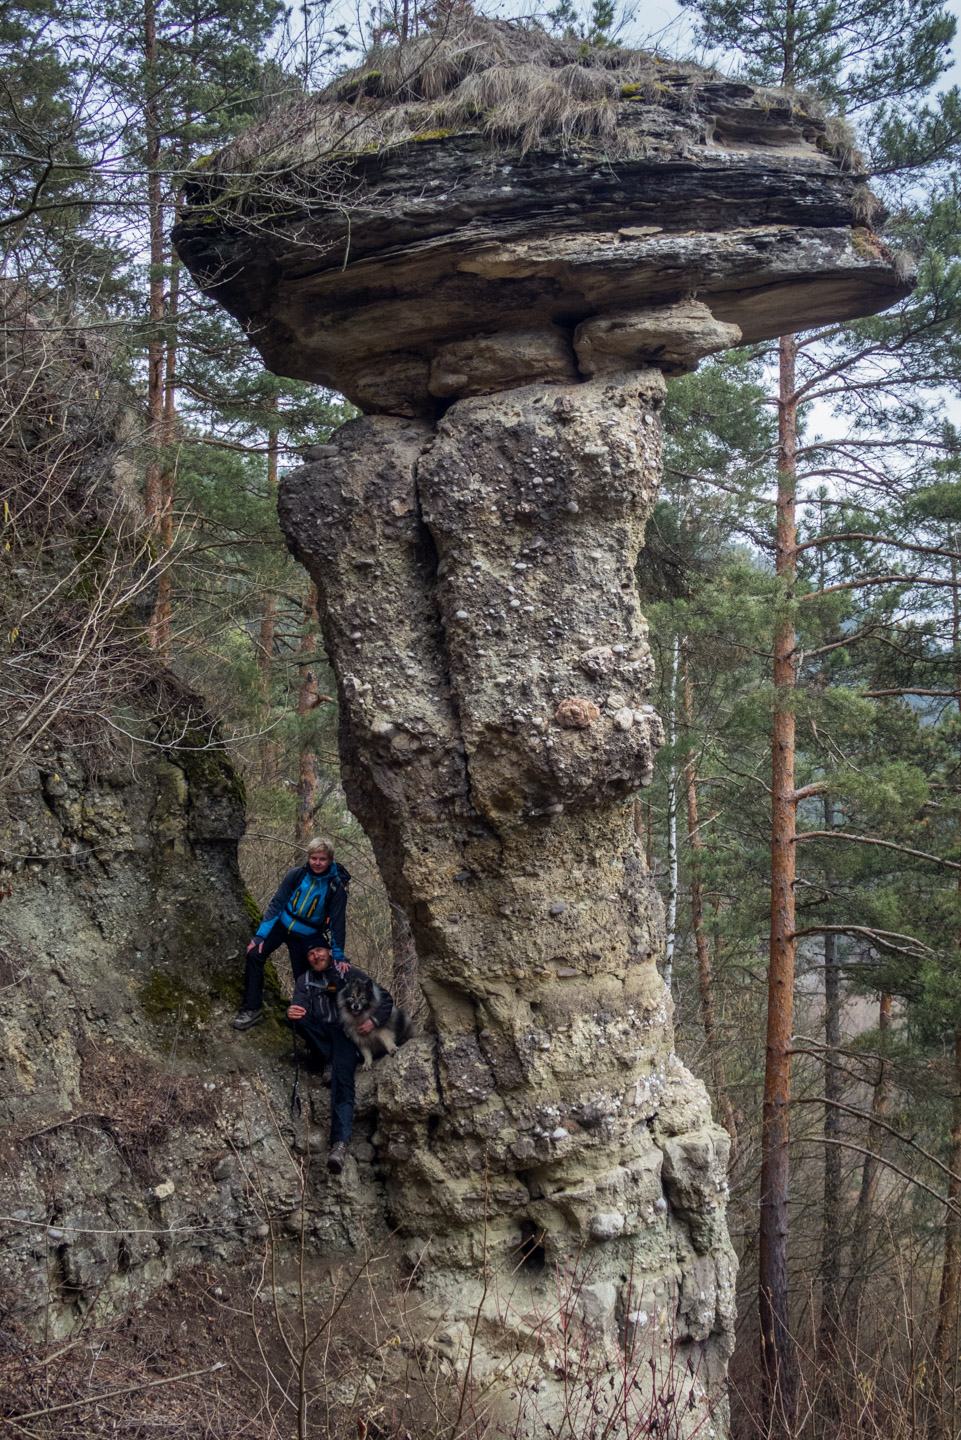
x,y
255,946
295,1012
365,1027
341,966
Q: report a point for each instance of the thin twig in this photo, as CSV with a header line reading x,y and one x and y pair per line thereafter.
x,y
112,1394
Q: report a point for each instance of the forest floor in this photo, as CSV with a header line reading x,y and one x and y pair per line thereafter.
x,y
186,1364
216,1355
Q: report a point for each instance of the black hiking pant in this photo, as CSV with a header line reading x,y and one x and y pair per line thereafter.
x,y
342,1056
297,947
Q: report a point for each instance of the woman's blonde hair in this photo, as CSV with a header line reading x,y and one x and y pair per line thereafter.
x,y
319,842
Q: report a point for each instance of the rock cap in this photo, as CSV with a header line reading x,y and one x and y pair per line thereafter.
x,y
486,205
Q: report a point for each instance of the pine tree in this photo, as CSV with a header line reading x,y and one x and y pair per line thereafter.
x,y
186,79
859,57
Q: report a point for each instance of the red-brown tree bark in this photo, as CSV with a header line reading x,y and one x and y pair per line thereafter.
x,y
777,1347
946,1333
829,1329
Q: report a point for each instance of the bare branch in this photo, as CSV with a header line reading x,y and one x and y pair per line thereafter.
x,y
884,844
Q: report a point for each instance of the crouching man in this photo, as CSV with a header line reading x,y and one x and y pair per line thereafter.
x,y
314,1015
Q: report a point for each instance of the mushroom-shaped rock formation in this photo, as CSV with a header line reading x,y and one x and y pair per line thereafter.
x,y
497,247
488,207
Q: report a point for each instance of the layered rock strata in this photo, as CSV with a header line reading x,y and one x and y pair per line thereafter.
x,y
506,318
377,246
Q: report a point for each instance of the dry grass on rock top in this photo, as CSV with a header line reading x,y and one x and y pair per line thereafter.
x,y
508,81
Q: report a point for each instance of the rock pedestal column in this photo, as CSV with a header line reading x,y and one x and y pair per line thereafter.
x,y
479,607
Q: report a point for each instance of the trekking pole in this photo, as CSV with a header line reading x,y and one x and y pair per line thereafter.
x,y
295,1105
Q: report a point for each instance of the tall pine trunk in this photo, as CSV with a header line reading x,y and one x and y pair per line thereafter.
x,y
864,1210
777,1347
160,623
155,224
268,621
829,1330
946,1334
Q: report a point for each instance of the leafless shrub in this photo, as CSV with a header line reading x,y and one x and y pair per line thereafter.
x,y
78,560
138,1105
361,1351
124,1380
880,1381
76,565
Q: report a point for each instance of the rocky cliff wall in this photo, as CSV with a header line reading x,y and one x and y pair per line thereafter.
x,y
140,1137
121,904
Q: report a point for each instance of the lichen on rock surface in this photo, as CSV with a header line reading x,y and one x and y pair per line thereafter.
x,y
504,299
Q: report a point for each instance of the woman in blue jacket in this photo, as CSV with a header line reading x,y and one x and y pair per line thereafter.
x,y
310,905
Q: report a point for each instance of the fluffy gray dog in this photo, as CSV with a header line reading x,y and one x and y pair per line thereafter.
x,y
356,1002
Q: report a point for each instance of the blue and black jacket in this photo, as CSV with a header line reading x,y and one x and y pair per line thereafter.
x,y
311,905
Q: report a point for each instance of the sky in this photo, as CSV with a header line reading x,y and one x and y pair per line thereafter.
x,y
663,24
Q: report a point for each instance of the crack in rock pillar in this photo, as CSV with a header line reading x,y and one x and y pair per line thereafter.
x,y
479,608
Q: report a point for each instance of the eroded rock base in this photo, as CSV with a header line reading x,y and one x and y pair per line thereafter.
x,y
480,610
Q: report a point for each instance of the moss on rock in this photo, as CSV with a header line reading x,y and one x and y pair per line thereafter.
x,y
167,998
252,908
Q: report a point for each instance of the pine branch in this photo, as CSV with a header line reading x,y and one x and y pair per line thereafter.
x,y
879,540
884,844
881,1125
891,579
882,1160
805,792
904,690
875,935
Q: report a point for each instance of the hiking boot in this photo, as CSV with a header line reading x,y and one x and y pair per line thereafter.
x,y
336,1158
245,1019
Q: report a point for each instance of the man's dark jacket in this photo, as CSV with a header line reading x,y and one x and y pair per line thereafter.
x,y
316,992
